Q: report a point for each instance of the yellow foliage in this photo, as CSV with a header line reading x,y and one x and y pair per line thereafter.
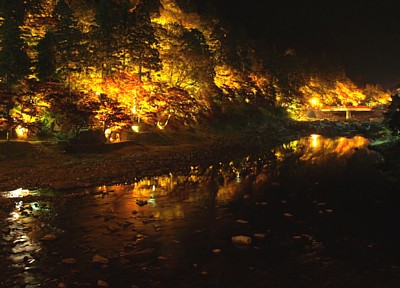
x,y
171,13
226,76
342,93
349,94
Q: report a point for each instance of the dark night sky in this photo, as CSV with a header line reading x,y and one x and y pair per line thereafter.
x,y
366,36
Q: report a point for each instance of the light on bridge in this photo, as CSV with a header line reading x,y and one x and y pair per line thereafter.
x,y
314,102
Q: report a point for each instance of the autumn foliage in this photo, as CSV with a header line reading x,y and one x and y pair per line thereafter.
x,y
159,64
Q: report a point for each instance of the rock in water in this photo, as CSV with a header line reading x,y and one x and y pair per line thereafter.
x,y
102,283
69,261
49,237
141,202
97,259
241,240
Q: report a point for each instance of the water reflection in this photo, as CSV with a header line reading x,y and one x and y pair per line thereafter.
x,y
315,158
20,192
21,231
184,216
316,147
290,162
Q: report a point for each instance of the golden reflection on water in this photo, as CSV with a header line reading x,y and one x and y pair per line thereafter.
x,y
17,193
147,195
317,147
228,192
23,229
315,140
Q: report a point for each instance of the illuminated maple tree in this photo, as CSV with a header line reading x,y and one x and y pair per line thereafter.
x,y
118,63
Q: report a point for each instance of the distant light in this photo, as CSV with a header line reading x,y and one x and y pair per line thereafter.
x,y
159,126
21,132
17,193
314,139
107,133
238,180
112,131
135,128
314,102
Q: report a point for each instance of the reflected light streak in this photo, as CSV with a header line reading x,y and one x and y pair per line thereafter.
x,y
17,193
25,245
316,147
229,191
314,140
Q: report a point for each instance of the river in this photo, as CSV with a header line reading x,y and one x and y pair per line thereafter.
x,y
315,212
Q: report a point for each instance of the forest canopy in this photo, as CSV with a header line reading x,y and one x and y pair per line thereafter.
x,y
114,64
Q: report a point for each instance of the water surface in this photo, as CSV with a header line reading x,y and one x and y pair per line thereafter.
x,y
313,209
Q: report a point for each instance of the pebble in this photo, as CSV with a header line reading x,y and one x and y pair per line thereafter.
x,y
69,261
49,237
241,240
102,283
97,259
241,221
288,215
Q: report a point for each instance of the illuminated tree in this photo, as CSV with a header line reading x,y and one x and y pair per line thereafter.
x,y
176,104
287,72
375,95
123,90
68,37
138,39
174,70
233,63
71,111
6,105
111,114
103,37
196,50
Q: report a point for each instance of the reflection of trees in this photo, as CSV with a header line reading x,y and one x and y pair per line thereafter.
x,y
317,148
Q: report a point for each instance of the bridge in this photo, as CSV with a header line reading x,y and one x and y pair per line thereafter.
x,y
347,109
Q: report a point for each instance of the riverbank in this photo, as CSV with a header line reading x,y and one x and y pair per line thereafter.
x,y
31,165
390,150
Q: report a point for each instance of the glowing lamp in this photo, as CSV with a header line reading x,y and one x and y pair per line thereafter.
x,y
314,140
107,133
21,132
135,128
314,102
160,126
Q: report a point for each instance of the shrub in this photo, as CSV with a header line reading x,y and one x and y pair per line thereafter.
x,y
392,115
